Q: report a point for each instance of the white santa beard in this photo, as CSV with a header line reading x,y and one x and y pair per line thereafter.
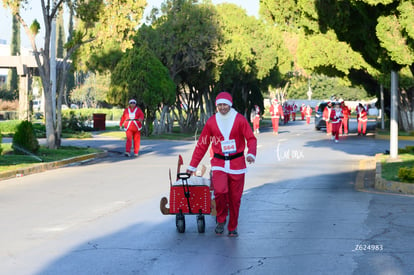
x,y
225,122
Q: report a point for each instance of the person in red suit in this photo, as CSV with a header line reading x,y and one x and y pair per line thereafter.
x,y
308,113
303,110
326,116
228,132
346,112
362,117
256,119
294,109
131,121
336,120
286,112
276,111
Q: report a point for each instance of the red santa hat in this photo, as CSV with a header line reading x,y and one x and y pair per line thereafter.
x,y
275,101
225,98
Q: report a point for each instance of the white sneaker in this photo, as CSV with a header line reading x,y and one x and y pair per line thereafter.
x,y
127,154
336,141
332,137
135,155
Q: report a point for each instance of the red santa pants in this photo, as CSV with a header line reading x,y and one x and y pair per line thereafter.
x,y
133,134
303,115
275,124
293,116
256,123
308,119
328,127
362,124
286,118
228,190
335,129
344,125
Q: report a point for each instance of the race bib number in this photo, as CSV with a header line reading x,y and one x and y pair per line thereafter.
x,y
228,146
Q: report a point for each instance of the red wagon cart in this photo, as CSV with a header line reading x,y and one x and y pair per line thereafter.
x,y
189,195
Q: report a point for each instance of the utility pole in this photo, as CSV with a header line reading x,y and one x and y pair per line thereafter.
x,y
382,107
53,68
394,116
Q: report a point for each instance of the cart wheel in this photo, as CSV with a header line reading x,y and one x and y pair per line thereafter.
x,y
180,223
201,224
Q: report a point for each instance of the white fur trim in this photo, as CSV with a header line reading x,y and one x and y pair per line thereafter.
x,y
223,100
230,171
251,155
225,128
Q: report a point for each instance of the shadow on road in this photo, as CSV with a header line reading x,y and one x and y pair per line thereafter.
x,y
303,225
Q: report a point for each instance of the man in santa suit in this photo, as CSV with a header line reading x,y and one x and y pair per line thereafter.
x,y
346,112
286,112
276,111
255,119
228,132
362,117
294,109
303,110
326,115
308,112
131,121
336,120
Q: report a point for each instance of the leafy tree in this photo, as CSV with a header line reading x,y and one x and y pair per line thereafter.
x,y
186,38
98,21
13,80
141,75
93,91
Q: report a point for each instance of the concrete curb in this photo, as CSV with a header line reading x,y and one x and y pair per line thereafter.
x,y
365,165
378,136
366,179
382,184
41,167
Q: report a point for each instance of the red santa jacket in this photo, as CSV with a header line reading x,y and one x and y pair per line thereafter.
x,y
233,139
336,116
326,113
346,111
131,118
276,110
308,111
362,114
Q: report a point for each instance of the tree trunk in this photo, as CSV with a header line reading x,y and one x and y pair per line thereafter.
x,y
163,119
50,127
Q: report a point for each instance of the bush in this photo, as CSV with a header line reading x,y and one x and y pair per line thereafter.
x,y
406,174
406,150
25,138
75,123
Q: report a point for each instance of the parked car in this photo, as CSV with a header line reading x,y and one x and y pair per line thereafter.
x,y
319,122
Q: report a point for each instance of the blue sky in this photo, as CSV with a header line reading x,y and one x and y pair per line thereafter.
x,y
251,6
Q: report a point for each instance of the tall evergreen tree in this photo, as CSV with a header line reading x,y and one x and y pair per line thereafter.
x,y
12,79
60,35
70,80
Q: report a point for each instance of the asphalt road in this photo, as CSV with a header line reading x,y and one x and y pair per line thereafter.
x,y
300,214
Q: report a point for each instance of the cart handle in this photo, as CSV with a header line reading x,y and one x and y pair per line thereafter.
x,y
183,176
